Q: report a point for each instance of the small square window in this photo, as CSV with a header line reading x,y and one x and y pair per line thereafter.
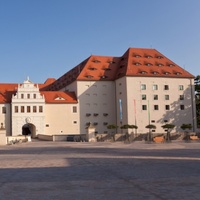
x,y
167,107
181,97
144,97
155,87
74,109
144,107
181,87
166,87
74,122
182,107
166,97
156,107
155,97
143,87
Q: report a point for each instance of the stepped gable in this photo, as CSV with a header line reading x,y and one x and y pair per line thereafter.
x,y
149,63
59,97
6,92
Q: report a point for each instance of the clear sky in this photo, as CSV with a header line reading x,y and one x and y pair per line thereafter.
x,y
45,38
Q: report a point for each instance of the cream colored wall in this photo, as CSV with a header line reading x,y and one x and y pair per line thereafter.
x,y
5,118
174,115
61,119
96,97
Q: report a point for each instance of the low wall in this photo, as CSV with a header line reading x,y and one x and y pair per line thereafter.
x,y
3,138
19,138
45,137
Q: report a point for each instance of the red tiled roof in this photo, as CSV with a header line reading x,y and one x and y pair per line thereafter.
x,y
135,62
6,92
59,97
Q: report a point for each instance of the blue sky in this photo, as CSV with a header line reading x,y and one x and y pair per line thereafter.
x,y
45,38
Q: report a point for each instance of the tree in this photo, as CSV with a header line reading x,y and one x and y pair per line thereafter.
x,y
197,98
169,128
185,127
112,127
150,127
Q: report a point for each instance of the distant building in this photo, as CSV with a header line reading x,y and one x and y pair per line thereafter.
x,y
139,88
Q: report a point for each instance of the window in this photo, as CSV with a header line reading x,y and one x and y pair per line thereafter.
x,y
16,109
166,97
166,87
28,96
155,107
155,87
4,110
182,107
155,97
143,87
34,109
144,97
40,109
181,87
74,109
167,107
74,122
34,96
144,107
181,97
22,109
153,121
22,96
28,109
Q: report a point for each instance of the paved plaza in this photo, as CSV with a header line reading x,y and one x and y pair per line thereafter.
x,y
90,171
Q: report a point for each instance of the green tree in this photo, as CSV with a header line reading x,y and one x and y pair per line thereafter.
x,y
185,127
113,127
197,98
150,127
169,128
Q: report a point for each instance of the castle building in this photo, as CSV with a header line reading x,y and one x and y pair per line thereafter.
x,y
139,88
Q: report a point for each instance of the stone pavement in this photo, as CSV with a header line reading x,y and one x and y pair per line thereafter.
x,y
100,171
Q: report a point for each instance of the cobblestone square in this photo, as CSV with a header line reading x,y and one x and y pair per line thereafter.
x,y
110,171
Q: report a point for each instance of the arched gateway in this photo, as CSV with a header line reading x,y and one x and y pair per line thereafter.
x,y
29,129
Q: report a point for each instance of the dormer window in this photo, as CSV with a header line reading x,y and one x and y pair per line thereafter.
x,y
92,68
107,69
159,57
111,62
137,56
148,56
154,72
103,77
148,64
177,73
137,63
143,72
160,64
171,65
89,76
96,61
166,73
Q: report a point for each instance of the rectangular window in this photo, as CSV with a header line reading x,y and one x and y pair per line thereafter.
x,y
143,87
182,107
16,109
166,97
22,96
74,109
28,109
155,87
167,107
156,107
181,87
181,97
166,87
155,97
34,96
4,110
22,109
28,96
34,109
74,122
144,107
40,109
144,97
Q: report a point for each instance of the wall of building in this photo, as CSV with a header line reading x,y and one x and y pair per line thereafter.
x,y
5,118
61,119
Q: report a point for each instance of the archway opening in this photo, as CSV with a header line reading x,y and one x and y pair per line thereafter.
x,y
29,129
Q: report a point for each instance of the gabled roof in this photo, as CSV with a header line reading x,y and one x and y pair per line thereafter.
x,y
135,62
59,97
149,63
